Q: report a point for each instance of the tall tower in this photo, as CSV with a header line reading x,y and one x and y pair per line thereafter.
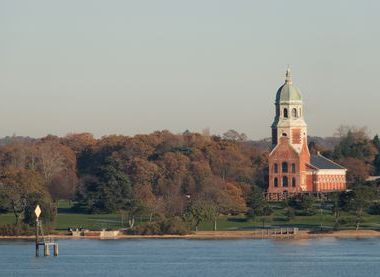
x,y
292,169
289,121
290,155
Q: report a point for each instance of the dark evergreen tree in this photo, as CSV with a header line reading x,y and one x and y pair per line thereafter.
x,y
257,204
109,191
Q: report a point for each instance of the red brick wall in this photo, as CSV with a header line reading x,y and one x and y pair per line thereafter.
x,y
330,182
296,136
303,174
284,153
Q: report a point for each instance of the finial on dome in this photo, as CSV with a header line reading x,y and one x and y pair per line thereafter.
x,y
288,78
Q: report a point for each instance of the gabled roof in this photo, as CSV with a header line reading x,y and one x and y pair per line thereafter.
x,y
283,140
320,162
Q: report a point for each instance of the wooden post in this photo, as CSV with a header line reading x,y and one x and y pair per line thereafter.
x,y
56,249
37,248
46,249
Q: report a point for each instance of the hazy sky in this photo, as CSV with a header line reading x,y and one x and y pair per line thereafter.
x,y
131,67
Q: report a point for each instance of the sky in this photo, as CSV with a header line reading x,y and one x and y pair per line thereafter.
x,y
133,67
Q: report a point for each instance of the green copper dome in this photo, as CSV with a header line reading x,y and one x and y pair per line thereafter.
x,y
288,92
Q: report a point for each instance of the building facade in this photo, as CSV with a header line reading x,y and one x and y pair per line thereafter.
x,y
292,169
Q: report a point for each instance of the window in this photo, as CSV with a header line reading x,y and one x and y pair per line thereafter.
x,y
293,168
285,167
300,113
275,182
294,112
294,183
284,135
285,181
275,168
286,113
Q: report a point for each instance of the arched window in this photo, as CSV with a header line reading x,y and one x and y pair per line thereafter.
x,y
285,181
275,168
286,113
300,113
275,182
294,112
285,167
293,168
294,183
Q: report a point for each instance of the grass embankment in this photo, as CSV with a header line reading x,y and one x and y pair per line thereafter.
x,y
67,218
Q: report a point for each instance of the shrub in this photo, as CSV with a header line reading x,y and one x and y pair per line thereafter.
x,y
174,226
347,220
304,213
171,226
374,209
290,214
152,228
16,230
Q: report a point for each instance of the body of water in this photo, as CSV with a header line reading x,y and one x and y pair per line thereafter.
x,y
179,257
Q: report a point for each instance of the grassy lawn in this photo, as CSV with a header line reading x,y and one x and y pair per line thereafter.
x,y
306,222
66,218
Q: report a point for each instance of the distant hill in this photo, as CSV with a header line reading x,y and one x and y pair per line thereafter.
x,y
327,143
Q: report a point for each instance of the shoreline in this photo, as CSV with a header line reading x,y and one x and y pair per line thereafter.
x,y
303,234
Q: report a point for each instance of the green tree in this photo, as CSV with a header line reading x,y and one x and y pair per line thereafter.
x,y
376,142
108,191
48,209
357,201
356,144
376,163
199,211
304,203
335,198
257,205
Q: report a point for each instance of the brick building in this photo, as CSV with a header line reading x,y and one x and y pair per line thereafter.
x,y
291,167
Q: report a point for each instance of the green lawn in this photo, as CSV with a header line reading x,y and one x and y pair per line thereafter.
x,y
66,218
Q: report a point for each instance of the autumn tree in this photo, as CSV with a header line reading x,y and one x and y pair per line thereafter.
x,y
57,164
17,186
235,136
79,142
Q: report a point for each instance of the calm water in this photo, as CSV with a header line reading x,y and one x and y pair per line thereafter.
x,y
319,257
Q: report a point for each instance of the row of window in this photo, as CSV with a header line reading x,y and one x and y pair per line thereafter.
x,y
295,113
285,182
284,167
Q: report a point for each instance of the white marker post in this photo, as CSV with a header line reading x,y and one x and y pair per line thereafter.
x,y
37,212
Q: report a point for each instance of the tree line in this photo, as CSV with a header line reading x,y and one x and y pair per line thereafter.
x,y
161,176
